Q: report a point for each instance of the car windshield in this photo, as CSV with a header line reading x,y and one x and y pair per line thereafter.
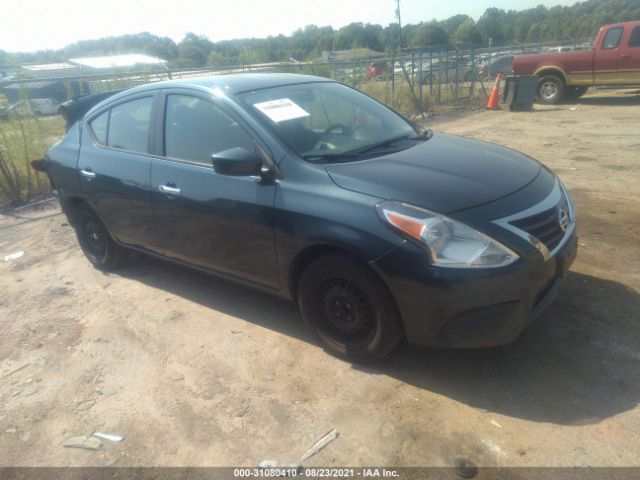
x,y
327,121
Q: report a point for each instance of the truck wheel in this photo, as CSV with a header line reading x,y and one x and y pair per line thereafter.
x,y
576,92
349,309
96,242
550,90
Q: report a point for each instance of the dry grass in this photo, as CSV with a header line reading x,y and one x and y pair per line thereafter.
x,y
23,139
400,98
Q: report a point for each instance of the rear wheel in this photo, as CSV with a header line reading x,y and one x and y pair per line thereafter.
x,y
95,241
574,93
349,308
551,89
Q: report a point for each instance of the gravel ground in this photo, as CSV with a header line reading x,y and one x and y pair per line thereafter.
x,y
194,371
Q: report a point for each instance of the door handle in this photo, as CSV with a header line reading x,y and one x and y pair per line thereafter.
x,y
169,190
88,173
625,57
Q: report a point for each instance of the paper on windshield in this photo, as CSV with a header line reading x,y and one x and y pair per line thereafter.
x,y
281,110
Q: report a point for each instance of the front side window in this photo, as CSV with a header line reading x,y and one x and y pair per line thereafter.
x,y
195,129
129,125
612,38
634,41
325,119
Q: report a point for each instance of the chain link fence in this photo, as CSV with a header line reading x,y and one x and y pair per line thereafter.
x,y
411,83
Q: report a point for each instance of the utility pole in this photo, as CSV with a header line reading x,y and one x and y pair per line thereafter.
x,y
399,23
410,82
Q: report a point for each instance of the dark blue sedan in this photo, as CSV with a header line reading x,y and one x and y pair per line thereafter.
x,y
305,188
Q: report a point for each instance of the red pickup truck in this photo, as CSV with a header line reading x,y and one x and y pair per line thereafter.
x,y
614,60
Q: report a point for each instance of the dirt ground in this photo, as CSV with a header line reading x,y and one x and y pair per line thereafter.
x,y
194,371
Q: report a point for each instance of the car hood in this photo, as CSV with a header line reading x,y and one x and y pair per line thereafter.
x,y
445,174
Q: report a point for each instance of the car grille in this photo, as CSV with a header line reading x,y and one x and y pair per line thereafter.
x,y
544,226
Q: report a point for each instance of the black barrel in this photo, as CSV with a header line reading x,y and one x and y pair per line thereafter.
x,y
520,92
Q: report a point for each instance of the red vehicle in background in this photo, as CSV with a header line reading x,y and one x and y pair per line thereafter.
x,y
613,61
378,69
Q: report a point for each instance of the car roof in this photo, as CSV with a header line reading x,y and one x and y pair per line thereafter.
x,y
231,83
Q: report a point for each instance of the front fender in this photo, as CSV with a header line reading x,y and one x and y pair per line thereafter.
x,y
312,211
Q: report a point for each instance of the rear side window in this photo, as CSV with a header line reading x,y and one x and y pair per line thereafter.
x,y
195,129
634,41
99,127
612,38
129,125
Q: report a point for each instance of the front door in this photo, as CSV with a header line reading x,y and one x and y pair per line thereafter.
x,y
115,170
607,58
218,222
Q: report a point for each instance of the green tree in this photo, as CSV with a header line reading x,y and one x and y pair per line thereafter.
x,y
216,59
194,50
467,33
430,33
578,22
451,24
534,33
491,25
248,56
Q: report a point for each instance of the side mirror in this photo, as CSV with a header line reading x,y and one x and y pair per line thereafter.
x,y
237,162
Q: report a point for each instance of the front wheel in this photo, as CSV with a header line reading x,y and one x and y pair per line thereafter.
x,y
550,90
96,242
349,308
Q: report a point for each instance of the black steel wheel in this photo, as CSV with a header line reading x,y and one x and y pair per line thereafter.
x,y
349,308
348,313
95,240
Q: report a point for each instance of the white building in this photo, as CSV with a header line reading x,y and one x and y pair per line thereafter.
x,y
117,62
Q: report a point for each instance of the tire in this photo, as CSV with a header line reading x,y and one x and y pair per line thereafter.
x,y
96,242
349,309
551,90
573,93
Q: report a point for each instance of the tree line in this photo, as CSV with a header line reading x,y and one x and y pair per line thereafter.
x,y
576,23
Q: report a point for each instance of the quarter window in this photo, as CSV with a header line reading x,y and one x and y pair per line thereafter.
x,y
612,38
129,125
99,127
195,129
634,41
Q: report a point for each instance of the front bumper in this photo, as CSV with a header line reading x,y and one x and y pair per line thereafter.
x,y
471,308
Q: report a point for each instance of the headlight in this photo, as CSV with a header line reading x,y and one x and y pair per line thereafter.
x,y
449,243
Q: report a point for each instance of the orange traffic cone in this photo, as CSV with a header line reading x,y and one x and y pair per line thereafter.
x,y
492,104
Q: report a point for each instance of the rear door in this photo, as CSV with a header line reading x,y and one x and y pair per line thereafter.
x,y
214,221
630,56
115,168
607,58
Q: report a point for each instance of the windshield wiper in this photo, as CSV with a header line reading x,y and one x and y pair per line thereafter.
x,y
388,142
331,156
365,151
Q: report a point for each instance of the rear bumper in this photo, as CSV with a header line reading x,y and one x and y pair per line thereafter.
x,y
471,308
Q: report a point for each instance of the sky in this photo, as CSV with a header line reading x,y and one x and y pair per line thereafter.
x,y
45,24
